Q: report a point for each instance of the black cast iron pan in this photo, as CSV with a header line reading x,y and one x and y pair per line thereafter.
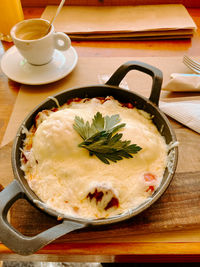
x,y
19,188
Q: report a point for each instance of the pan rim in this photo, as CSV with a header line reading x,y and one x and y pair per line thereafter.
x,y
32,197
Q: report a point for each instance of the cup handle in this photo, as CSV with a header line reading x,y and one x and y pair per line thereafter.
x,y
61,41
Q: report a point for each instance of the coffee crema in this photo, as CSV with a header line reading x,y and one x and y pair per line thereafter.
x,y
32,30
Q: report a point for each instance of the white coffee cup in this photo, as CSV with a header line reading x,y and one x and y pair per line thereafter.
x,y
35,43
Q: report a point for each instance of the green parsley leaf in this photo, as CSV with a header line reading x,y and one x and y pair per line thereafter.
x,y
100,138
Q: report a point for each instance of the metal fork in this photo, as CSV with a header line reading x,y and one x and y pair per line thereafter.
x,y
192,64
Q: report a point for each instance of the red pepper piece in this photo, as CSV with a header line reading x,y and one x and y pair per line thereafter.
x,y
148,177
151,187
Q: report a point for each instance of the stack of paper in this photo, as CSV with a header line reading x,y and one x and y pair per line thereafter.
x,y
123,22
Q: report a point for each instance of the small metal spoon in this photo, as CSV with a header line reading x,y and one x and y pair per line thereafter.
x,y
56,14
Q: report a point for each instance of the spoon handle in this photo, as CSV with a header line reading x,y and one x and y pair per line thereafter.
x,y
57,11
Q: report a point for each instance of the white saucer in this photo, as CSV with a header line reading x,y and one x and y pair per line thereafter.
x,y
18,69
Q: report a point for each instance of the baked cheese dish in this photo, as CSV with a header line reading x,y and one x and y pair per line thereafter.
x,y
75,182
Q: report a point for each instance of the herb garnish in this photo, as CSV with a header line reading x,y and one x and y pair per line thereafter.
x,y
100,138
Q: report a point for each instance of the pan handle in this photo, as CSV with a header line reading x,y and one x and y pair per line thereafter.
x,y
17,242
155,73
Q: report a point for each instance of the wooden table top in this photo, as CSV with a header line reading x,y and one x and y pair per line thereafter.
x,y
154,251
166,48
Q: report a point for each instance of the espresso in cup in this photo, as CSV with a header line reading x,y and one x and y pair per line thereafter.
x,y
36,40
32,30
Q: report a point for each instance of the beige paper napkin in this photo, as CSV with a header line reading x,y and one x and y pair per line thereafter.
x,y
186,112
180,82
133,21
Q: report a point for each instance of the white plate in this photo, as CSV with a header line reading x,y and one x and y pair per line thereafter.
x,y
18,69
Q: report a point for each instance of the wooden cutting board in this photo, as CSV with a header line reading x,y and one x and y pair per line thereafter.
x,y
177,209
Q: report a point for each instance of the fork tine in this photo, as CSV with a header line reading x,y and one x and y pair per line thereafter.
x,y
192,63
191,67
195,70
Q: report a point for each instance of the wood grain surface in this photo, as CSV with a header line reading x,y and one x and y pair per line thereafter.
x,y
177,209
167,48
175,212
43,3
181,199
5,165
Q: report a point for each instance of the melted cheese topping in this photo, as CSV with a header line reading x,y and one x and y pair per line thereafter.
x,y
74,183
